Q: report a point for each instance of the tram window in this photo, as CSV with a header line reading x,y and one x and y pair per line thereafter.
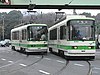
x,y
15,35
24,34
63,32
53,34
81,31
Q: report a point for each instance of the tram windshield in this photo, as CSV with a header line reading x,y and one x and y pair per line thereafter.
x,y
37,33
82,30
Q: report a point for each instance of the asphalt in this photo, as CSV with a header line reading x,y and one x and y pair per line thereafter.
x,y
15,63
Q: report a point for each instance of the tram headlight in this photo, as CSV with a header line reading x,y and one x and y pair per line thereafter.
x,y
89,47
75,47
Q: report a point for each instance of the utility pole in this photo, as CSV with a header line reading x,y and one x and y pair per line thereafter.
x,y
3,37
0,31
32,19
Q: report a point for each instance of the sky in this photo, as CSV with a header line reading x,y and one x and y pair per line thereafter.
x,y
68,11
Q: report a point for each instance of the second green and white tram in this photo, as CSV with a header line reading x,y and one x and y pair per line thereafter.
x,y
30,38
73,37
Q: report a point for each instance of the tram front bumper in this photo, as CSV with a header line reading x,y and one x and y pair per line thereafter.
x,y
80,53
36,50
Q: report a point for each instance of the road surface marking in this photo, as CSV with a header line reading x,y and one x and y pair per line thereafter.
x,y
96,68
37,57
44,72
94,72
5,65
78,64
23,65
9,64
47,58
59,61
10,61
24,55
3,59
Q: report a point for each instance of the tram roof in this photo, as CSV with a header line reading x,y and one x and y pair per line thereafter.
x,y
24,26
78,17
71,17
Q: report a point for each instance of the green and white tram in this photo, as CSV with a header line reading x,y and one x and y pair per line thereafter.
x,y
73,37
30,38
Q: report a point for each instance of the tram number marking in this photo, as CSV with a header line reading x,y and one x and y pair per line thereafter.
x,y
83,51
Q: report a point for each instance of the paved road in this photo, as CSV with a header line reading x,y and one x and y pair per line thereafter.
x,y
15,63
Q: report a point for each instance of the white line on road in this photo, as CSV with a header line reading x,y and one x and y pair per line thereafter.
x,y
94,72
9,64
24,55
59,61
23,65
47,58
96,68
6,65
44,72
37,57
3,59
10,61
79,65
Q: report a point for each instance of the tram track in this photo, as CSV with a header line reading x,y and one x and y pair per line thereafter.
x,y
58,72
67,62
27,65
23,67
90,68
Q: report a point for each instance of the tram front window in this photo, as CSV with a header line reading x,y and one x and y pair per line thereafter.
x,y
37,33
81,30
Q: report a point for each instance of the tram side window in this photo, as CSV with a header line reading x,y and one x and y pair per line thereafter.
x,y
24,34
15,35
53,34
63,32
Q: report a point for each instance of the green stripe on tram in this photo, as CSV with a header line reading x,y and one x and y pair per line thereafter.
x,y
30,45
17,44
74,47
64,47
